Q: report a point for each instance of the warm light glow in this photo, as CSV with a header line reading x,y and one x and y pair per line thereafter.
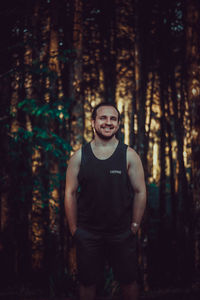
x,y
194,133
120,104
174,150
167,166
53,61
53,206
35,158
60,94
124,101
61,116
91,101
155,160
28,123
155,125
195,91
127,109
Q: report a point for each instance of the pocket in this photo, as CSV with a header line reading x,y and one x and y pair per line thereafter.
x,y
133,234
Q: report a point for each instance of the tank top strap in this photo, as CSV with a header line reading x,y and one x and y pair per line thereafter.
x,y
120,154
85,154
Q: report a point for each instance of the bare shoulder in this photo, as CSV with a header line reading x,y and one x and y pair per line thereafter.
x,y
75,159
136,172
135,168
132,156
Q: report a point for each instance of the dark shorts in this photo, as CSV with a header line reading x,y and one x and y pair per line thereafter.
x,y
94,250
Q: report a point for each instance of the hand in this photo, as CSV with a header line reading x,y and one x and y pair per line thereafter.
x,y
73,230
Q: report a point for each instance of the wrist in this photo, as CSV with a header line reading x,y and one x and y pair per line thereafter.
x,y
135,226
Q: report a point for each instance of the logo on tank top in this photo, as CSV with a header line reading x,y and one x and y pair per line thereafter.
x,y
115,172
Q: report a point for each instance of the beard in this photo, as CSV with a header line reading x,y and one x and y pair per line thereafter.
x,y
105,137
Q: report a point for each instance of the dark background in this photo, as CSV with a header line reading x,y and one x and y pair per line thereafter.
x,y
57,60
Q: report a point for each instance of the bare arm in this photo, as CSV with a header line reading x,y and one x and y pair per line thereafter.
x,y
136,175
71,190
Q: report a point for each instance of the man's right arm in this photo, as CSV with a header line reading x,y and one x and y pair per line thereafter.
x,y
71,190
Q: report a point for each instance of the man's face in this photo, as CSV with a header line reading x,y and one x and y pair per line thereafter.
x,y
106,123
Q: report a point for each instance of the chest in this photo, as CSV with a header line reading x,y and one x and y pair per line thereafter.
x,y
103,153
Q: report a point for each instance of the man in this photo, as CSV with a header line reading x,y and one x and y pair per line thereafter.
x,y
105,213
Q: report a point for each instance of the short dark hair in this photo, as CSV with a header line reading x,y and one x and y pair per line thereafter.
x,y
94,112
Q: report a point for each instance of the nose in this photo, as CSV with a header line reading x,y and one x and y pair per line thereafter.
x,y
108,121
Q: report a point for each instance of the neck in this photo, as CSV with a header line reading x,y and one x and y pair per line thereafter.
x,y
105,143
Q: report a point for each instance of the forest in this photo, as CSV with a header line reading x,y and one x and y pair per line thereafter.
x,y
60,58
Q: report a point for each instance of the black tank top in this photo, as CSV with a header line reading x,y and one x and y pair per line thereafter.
x,y
105,195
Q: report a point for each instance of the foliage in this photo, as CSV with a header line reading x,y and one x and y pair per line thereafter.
x,y
42,139
46,110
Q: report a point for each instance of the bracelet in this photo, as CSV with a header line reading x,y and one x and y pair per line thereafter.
x,y
135,225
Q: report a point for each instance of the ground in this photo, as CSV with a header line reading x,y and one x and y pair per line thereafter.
x,y
156,295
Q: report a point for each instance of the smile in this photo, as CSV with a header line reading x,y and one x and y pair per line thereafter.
x,y
107,129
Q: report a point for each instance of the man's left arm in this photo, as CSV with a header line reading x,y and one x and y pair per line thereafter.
x,y
136,175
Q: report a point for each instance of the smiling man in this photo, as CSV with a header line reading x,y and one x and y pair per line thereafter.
x,y
105,215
